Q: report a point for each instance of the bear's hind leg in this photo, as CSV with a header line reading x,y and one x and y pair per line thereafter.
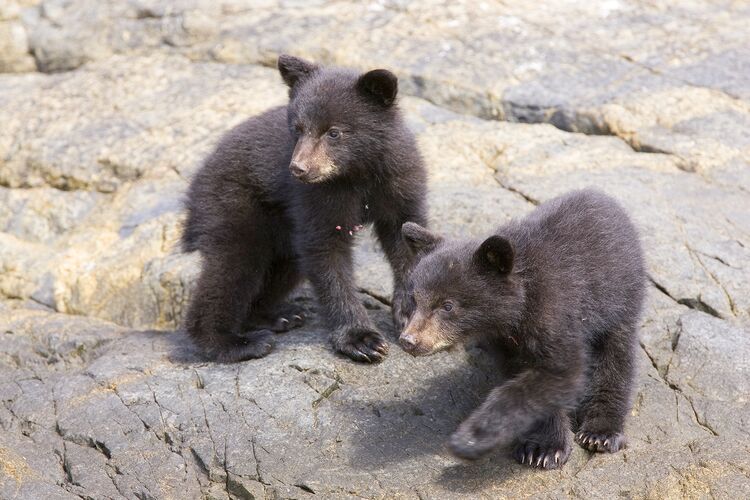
x,y
602,413
547,445
230,281
269,311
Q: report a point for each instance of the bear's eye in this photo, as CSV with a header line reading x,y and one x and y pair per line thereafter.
x,y
334,133
298,129
447,306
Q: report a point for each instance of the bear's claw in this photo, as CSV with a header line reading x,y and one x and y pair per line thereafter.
x,y
542,457
605,442
283,324
251,345
364,345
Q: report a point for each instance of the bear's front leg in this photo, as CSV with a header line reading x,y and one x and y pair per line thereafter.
x,y
328,265
402,260
401,307
512,409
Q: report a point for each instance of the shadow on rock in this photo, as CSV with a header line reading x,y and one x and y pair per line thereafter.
x,y
411,426
474,477
182,349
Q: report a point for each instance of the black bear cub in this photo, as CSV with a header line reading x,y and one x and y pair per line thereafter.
x,y
557,296
281,199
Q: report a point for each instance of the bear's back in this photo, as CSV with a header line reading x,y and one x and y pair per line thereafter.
x,y
584,259
248,165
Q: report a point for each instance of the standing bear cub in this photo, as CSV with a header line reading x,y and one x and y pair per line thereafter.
x,y
281,198
557,296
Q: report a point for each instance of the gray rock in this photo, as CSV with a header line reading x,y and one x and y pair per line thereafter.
x,y
15,56
102,398
601,69
115,412
41,214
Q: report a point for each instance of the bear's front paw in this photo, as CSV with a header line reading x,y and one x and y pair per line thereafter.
x,y
471,441
402,309
362,344
604,442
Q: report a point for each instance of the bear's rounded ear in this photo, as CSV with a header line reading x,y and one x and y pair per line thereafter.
x,y
418,239
495,254
293,69
379,85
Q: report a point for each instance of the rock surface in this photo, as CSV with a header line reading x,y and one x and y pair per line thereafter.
x,y
15,52
101,397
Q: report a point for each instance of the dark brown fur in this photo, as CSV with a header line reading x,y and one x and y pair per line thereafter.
x,y
558,296
281,199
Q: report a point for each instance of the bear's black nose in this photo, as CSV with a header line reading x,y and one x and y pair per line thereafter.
x,y
298,169
407,342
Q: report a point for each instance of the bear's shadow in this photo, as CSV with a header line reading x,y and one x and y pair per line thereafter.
x,y
411,431
183,351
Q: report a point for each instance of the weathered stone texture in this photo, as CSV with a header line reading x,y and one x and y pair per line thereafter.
x,y
15,53
101,398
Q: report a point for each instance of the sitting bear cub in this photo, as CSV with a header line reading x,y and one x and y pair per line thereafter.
x,y
557,296
282,197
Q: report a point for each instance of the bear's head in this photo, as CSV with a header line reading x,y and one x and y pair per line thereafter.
x,y
459,288
342,121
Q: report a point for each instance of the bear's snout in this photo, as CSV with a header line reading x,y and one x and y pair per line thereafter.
x,y
311,161
298,169
408,342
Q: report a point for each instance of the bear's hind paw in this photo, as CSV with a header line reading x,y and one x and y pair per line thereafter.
x,y
543,457
283,324
252,345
